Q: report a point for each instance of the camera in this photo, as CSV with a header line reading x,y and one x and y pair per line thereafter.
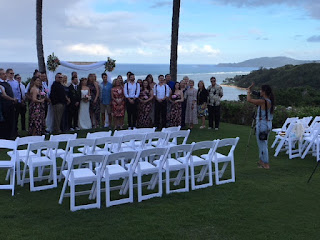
x,y
256,93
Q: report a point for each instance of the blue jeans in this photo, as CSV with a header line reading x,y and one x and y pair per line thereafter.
x,y
262,126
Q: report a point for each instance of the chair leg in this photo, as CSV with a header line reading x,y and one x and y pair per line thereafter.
x,y
63,191
139,180
31,177
72,197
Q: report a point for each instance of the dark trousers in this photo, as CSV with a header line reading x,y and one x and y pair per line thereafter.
x,y
7,127
73,116
132,110
21,109
58,110
160,114
183,113
214,112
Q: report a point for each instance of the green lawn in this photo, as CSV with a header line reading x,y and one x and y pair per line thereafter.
x,y
261,204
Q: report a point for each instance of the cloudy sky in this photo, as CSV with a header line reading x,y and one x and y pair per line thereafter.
x,y
138,31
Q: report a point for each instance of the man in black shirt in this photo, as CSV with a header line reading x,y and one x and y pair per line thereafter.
x,y
59,100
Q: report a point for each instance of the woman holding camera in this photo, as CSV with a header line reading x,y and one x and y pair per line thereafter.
x,y
263,121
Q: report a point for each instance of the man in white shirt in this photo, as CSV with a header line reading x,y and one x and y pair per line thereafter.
x,y
131,93
21,108
17,95
161,92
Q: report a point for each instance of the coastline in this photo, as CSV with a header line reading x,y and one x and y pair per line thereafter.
x,y
232,86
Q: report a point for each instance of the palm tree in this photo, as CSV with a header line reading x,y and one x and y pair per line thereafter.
x,y
41,65
174,39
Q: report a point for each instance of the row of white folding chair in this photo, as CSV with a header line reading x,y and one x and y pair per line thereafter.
x,y
155,161
310,143
285,125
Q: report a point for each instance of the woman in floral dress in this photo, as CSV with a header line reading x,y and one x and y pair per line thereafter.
x,y
145,106
118,101
94,102
191,109
176,100
37,114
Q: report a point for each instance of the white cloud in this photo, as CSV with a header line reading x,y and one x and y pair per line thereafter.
x,y
197,50
89,49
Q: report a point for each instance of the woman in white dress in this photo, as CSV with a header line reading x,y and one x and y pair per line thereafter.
x,y
84,113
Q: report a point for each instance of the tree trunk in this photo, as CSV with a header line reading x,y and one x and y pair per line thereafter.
x,y
174,39
41,65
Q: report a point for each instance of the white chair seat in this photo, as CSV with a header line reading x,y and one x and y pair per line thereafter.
x,y
172,163
81,149
59,152
116,170
101,152
197,161
80,173
40,161
6,164
22,153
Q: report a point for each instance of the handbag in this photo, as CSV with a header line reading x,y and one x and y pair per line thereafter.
x,y
264,134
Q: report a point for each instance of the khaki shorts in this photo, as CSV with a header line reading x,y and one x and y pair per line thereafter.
x,y
104,108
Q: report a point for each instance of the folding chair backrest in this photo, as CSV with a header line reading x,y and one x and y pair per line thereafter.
x,y
132,138
9,145
145,130
228,142
98,135
171,129
290,129
160,137
52,146
306,121
63,137
87,158
30,139
151,153
315,120
124,157
185,149
120,133
110,143
88,144
173,136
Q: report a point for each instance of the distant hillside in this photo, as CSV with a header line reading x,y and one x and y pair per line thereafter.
x,y
266,62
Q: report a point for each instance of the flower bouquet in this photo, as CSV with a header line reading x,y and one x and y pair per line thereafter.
x,y
110,65
52,62
43,95
87,98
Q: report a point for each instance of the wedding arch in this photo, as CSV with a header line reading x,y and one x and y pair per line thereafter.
x,y
53,63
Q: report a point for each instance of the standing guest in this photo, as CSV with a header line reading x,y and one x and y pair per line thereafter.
x,y
149,78
73,107
95,101
17,95
127,80
65,116
7,101
36,73
118,103
84,121
132,92
45,88
21,106
105,93
176,99
59,101
215,94
161,92
191,108
183,88
145,106
202,98
74,74
263,121
169,82
37,119
140,82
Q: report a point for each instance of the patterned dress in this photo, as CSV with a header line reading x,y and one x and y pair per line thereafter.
x,y
191,114
144,110
176,111
117,109
94,107
37,117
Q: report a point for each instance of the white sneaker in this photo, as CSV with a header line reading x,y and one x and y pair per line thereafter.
x,y
216,129
77,128
71,129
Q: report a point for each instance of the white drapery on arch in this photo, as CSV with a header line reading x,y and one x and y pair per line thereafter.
x,y
51,79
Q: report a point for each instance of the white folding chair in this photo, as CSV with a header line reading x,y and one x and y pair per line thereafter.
x,y
225,159
61,138
284,126
115,172
171,164
203,160
83,175
132,142
145,166
96,135
71,151
121,133
174,137
156,139
309,143
22,153
145,130
9,165
33,161
107,145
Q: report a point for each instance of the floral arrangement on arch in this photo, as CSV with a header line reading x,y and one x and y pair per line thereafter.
x,y
52,62
110,65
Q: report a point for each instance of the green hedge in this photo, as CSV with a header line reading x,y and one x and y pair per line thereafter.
x,y
238,112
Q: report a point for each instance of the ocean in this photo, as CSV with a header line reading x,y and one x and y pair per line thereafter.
x,y
195,72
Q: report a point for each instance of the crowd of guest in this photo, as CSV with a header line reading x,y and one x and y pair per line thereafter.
x,y
84,103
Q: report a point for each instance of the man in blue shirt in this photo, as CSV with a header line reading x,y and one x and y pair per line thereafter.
x,y
105,93
169,82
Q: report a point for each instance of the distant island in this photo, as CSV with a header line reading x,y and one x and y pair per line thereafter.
x,y
267,62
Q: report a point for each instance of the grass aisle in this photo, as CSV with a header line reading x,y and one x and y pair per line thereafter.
x,y
262,204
